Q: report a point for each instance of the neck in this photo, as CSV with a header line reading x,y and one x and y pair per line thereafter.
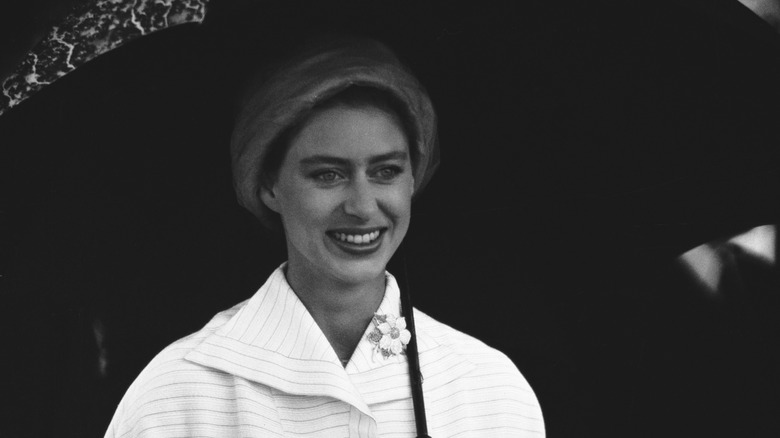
x,y
342,311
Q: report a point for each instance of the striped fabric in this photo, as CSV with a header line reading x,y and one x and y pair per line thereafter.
x,y
265,369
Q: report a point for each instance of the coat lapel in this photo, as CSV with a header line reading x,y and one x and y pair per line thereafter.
x,y
273,340
382,380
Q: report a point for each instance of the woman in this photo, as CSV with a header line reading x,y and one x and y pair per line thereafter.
x,y
331,149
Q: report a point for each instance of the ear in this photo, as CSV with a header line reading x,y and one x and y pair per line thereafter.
x,y
269,198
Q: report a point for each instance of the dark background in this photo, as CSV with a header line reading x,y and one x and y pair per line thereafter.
x,y
584,145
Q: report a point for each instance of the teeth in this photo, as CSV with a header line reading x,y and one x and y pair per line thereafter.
x,y
359,239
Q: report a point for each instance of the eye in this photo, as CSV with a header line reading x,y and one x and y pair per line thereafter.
x,y
388,172
326,176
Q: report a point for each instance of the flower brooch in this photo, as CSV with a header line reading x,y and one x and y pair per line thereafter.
x,y
390,335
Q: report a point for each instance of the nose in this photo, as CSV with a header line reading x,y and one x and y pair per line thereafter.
x,y
361,200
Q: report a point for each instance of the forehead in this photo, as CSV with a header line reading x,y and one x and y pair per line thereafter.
x,y
351,133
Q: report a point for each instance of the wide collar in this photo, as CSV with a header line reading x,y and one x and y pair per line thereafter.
x,y
273,340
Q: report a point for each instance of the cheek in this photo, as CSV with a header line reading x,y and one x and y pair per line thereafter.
x,y
308,207
399,203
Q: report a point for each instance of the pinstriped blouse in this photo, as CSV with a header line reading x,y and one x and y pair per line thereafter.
x,y
264,369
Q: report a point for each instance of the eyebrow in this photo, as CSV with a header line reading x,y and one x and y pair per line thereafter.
x,y
328,159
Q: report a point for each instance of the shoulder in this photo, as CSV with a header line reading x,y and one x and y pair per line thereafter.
x,y
490,393
465,345
172,387
172,357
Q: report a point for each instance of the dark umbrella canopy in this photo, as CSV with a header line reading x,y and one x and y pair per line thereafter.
x,y
582,146
79,32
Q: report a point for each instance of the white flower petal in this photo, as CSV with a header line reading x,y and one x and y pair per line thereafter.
x,y
385,328
400,323
396,346
385,342
405,337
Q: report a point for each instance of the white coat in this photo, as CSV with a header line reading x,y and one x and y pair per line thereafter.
x,y
265,369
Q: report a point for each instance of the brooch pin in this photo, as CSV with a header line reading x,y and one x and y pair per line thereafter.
x,y
390,335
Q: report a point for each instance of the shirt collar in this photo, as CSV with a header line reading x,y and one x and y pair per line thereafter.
x,y
274,340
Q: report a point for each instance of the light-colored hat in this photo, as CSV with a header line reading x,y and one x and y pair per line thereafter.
x,y
310,78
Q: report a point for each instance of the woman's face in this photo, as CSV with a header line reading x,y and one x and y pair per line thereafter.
x,y
344,194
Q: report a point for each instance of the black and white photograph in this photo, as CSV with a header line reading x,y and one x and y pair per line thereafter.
x,y
269,218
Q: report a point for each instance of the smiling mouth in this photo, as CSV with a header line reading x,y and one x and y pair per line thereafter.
x,y
358,239
357,242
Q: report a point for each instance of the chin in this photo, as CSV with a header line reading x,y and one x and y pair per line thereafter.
x,y
363,271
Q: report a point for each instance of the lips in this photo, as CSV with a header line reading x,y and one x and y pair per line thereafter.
x,y
357,241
